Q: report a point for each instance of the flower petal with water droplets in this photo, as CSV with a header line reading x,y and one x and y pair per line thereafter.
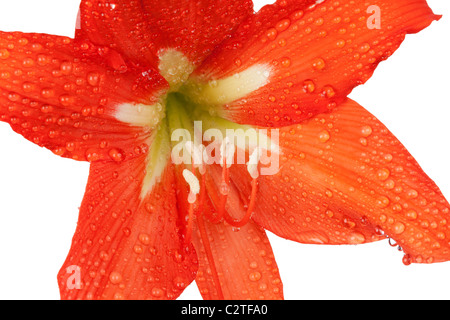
x,y
60,94
362,177
317,52
127,247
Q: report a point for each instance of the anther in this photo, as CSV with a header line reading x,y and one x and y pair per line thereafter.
x,y
227,150
250,209
224,187
194,185
252,164
252,167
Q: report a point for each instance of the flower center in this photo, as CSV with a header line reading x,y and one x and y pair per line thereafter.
x,y
191,113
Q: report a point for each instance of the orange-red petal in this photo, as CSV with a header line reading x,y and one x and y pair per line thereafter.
x,y
140,29
243,258
196,28
62,94
317,53
233,263
121,25
125,247
347,165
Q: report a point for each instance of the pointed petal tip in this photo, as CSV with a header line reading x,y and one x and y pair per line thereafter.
x,y
438,17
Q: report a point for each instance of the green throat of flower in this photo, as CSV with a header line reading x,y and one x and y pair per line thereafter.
x,y
174,120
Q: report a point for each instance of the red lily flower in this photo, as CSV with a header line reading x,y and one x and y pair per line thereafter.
x,y
132,75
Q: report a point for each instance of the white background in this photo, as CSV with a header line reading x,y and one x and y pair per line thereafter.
x,y
40,193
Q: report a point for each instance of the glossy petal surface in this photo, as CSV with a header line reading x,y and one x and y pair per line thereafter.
x,y
313,55
345,167
127,247
62,95
194,28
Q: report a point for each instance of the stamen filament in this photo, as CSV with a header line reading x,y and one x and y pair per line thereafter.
x,y
189,226
202,229
194,187
224,189
250,209
209,255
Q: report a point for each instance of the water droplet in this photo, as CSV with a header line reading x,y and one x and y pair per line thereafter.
x,y
356,238
349,222
319,22
383,174
366,131
363,141
92,155
441,235
138,249
312,237
382,202
389,184
157,292
388,157
224,188
365,47
117,155
412,194
254,276
66,67
283,25
340,43
286,62
179,283
298,14
272,33
318,64
28,63
324,136
119,296
329,92
411,214
93,78
103,256
66,100
144,238
28,87
214,83
47,93
398,228
309,86
115,277
126,231
406,260
4,54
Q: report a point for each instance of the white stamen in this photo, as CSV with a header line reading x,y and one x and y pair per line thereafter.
x,y
140,115
232,88
194,184
227,150
252,164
